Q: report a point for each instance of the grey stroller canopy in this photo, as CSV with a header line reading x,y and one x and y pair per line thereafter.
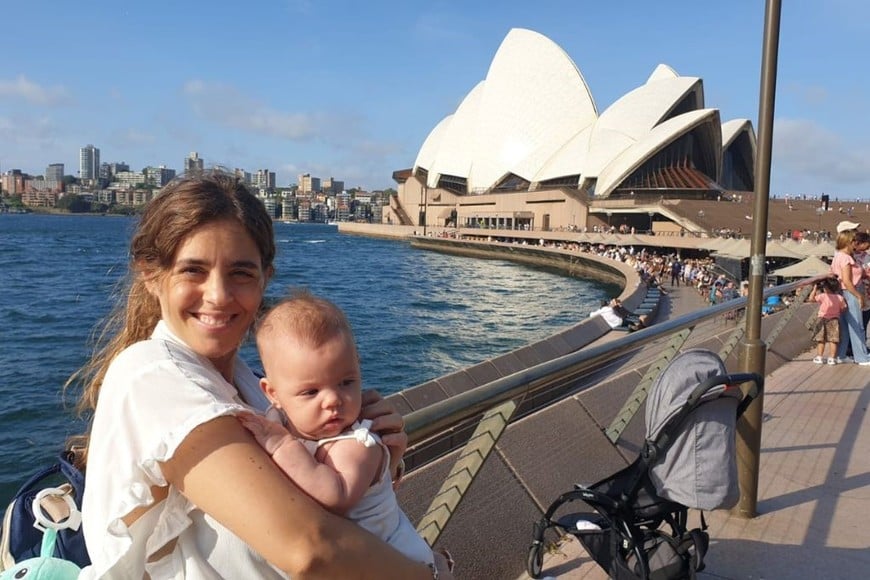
x,y
698,469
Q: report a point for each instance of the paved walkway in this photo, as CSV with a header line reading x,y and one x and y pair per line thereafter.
x,y
814,486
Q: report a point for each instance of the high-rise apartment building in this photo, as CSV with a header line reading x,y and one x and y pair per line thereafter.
x,y
54,177
158,176
308,184
332,185
243,175
12,182
265,179
89,163
193,163
54,172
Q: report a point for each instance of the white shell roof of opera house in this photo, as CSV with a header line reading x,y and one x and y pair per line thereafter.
x,y
534,116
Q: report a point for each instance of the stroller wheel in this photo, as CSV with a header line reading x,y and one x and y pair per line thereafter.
x,y
535,561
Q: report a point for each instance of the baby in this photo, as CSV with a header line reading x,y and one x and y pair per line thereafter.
x,y
312,430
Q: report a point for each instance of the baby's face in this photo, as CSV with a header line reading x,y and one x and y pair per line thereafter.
x,y
318,388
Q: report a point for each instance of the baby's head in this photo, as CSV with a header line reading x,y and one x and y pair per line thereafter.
x,y
312,367
829,285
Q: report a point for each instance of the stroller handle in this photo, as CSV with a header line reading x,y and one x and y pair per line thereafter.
x,y
651,448
730,379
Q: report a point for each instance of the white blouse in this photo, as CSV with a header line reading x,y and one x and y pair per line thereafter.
x,y
154,394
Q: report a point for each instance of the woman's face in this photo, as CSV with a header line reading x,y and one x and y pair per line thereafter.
x,y
211,293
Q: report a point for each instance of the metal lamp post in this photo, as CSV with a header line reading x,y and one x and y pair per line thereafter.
x,y
752,351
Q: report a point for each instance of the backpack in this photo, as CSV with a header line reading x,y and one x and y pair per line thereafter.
x,y
57,490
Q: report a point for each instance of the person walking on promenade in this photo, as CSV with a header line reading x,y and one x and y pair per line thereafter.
x,y
850,274
176,487
676,271
312,430
826,293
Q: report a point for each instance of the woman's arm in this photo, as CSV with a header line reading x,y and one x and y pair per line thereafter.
x,y
848,284
224,472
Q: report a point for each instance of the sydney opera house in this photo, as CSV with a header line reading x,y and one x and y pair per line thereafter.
x,y
528,149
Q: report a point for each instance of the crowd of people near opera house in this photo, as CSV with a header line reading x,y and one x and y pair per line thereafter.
x,y
849,278
850,269
657,270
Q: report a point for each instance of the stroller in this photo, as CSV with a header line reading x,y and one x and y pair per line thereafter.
x,y
634,523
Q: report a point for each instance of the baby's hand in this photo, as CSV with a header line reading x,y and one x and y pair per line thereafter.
x,y
269,434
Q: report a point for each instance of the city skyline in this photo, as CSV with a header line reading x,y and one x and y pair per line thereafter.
x,y
351,90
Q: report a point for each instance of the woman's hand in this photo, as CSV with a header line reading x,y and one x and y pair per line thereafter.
x,y
386,422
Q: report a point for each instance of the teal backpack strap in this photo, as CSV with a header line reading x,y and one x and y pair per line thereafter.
x,y
49,538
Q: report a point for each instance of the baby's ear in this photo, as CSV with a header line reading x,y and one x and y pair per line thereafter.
x,y
269,391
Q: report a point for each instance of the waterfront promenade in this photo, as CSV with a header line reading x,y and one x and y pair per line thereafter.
x,y
814,491
814,488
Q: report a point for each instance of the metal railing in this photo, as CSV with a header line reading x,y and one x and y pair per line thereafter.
x,y
492,406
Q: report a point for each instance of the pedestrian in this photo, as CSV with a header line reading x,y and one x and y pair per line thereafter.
x,y
826,331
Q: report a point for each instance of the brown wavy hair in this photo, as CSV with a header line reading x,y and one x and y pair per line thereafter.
x,y
183,206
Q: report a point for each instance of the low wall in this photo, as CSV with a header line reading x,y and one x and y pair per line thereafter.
x,y
581,265
378,230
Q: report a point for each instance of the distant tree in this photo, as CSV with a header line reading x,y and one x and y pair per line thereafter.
x,y
390,191
70,180
73,204
124,209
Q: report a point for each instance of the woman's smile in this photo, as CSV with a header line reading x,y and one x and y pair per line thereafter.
x,y
212,292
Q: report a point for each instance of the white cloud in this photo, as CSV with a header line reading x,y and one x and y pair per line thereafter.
x,y
225,105
329,143
24,89
30,144
806,148
27,132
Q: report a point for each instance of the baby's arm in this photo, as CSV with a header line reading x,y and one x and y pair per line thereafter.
x,y
269,434
347,470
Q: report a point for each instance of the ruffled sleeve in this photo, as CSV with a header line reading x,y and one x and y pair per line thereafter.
x,y
154,394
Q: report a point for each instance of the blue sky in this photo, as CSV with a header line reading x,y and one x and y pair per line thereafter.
x,y
351,89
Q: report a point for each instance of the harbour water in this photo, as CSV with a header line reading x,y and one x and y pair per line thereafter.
x,y
417,315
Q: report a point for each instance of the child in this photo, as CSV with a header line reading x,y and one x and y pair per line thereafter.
x,y
827,329
313,381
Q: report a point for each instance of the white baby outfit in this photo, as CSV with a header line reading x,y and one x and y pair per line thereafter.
x,y
378,511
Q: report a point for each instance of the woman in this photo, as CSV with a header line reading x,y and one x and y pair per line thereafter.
x,y
175,485
850,274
